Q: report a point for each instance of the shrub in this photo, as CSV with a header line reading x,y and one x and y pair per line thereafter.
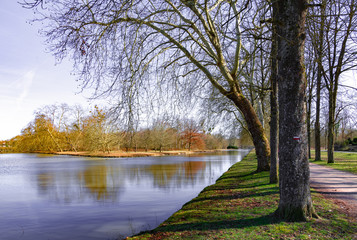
x,y
340,145
232,147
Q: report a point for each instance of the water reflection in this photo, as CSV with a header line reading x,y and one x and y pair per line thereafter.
x,y
95,179
84,198
105,182
166,175
44,182
97,182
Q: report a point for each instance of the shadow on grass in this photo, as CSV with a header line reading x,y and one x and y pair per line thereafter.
x,y
333,193
216,225
235,175
241,195
218,187
230,196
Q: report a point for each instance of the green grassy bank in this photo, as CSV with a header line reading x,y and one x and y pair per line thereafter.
x,y
239,206
344,161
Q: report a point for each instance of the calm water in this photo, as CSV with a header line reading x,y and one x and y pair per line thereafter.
x,y
64,197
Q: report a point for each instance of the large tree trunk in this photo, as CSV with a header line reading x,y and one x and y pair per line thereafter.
x,y
274,111
294,173
256,130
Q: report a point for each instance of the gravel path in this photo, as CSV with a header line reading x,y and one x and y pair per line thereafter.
x,y
338,185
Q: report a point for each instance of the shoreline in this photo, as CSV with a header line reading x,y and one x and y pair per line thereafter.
x,y
240,205
123,154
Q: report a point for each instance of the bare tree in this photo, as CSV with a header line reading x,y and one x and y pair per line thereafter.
x,y
118,46
334,40
316,32
340,56
311,69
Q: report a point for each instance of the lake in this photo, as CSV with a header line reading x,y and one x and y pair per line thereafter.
x,y
66,197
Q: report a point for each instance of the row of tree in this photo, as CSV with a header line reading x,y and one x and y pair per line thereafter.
x,y
224,55
331,53
59,127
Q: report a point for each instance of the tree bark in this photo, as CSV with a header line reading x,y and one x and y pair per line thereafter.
x,y
274,111
256,130
294,174
331,128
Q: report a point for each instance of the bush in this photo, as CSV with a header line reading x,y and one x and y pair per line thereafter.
x,y
232,147
340,145
354,142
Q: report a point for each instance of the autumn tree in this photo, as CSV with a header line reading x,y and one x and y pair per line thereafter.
x,y
192,136
145,139
74,128
161,136
118,47
40,135
98,132
215,141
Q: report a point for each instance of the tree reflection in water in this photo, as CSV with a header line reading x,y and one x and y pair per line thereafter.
x,y
95,179
104,183
88,198
165,175
99,182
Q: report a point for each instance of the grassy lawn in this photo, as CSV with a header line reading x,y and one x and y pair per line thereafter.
x,y
239,206
343,161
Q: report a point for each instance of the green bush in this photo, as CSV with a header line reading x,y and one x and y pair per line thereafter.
x,y
232,147
340,145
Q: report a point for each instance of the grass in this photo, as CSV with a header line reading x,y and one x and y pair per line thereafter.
x,y
344,161
240,206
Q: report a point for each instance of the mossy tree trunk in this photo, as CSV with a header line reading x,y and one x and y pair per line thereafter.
x,y
294,173
255,128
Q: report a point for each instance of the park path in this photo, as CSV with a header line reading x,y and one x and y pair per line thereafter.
x,y
337,185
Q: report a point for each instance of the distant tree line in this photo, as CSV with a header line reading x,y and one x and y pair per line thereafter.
x,y
59,127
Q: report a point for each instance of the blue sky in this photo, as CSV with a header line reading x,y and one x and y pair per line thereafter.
x,y
29,77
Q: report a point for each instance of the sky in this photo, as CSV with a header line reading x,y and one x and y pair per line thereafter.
x,y
29,76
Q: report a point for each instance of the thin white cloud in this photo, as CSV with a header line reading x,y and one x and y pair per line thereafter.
x,y
25,84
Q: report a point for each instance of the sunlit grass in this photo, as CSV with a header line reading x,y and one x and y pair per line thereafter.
x,y
240,206
344,161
